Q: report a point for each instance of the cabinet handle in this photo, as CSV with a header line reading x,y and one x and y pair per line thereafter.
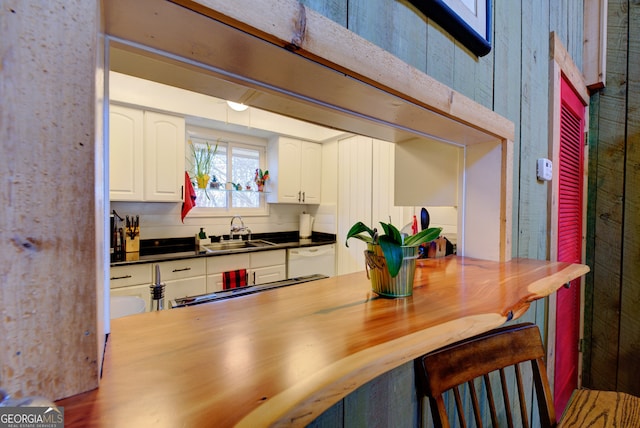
x,y
120,277
303,196
181,270
254,278
299,198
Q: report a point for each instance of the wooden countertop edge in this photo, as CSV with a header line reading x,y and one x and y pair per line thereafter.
x,y
307,400
546,286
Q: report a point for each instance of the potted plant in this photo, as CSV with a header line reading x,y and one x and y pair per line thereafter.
x,y
261,178
202,162
390,258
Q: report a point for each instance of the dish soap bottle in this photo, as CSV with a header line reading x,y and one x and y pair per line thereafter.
x,y
201,239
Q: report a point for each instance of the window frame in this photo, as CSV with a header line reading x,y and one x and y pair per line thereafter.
x,y
231,140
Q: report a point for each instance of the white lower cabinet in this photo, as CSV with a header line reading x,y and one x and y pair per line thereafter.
x,y
194,276
131,280
218,264
267,274
141,291
124,276
261,267
186,277
183,288
268,266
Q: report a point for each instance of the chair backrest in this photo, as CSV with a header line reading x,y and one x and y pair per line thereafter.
x,y
465,362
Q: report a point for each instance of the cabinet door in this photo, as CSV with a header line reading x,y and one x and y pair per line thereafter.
x,y
289,152
141,291
214,282
164,141
218,264
267,274
268,266
183,288
125,154
310,172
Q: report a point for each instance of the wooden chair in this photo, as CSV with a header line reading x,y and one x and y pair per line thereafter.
x,y
464,362
469,366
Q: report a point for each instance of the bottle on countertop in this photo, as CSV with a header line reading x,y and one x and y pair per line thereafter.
x,y
202,239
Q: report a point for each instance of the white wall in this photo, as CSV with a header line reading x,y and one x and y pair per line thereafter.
x,y
162,220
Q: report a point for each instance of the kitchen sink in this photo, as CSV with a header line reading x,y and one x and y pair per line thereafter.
x,y
236,244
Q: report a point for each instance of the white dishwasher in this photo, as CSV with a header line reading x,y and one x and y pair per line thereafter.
x,y
305,261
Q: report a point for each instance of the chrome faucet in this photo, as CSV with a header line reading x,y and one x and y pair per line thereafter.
x,y
233,230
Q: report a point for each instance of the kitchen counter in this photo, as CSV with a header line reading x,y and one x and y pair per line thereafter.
x,y
283,357
283,240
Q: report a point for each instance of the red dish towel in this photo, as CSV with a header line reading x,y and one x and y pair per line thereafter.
x,y
234,279
189,196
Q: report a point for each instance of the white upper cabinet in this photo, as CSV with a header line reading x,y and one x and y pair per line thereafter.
x,y
295,169
146,155
164,142
125,153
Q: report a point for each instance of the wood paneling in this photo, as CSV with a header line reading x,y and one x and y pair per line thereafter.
x,y
609,206
613,290
628,374
393,26
49,333
534,100
507,82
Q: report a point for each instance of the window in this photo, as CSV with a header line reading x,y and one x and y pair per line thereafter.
x,y
228,187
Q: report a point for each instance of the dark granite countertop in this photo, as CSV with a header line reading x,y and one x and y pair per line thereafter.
x,y
155,250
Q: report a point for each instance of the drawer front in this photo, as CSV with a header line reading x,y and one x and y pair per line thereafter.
x,y
178,269
219,264
124,276
268,258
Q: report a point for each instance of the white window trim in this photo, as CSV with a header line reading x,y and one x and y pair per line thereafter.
x,y
233,140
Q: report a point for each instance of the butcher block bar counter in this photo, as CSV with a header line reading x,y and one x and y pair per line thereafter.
x,y
284,356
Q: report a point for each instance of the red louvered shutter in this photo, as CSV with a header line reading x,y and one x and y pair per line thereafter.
x,y
570,170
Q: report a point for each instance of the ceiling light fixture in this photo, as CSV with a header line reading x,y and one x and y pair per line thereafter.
x,y
237,106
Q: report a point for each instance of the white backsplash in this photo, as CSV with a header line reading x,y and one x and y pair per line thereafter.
x,y
162,220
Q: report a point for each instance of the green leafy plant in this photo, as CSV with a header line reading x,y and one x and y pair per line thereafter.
x,y
202,159
392,241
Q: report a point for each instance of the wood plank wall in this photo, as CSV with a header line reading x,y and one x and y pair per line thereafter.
x,y
513,81
612,321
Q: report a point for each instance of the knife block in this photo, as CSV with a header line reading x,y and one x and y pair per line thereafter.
x,y
132,246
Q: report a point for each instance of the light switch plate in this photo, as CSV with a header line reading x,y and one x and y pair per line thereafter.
x,y
544,169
